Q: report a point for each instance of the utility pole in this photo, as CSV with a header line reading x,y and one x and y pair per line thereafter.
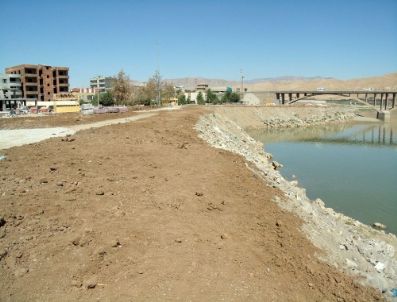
x,y
97,87
158,74
242,84
158,88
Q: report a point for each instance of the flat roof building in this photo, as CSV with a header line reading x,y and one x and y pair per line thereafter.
x,y
41,82
101,84
10,91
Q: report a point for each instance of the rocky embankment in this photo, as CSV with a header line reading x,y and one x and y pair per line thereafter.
x,y
348,244
284,117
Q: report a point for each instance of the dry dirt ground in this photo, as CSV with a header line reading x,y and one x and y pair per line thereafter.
x,y
58,120
147,211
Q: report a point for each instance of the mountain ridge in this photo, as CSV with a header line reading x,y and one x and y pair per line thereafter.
x,y
386,81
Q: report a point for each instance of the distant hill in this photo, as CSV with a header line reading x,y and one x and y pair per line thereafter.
x,y
287,78
387,81
191,82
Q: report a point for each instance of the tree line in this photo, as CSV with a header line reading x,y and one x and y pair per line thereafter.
x,y
211,98
123,92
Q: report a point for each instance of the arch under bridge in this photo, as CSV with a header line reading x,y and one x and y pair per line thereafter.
x,y
380,99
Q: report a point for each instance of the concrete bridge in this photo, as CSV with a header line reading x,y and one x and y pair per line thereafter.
x,y
380,99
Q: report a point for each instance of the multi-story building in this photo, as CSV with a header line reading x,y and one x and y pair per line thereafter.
x,y
101,84
202,87
10,91
41,82
84,94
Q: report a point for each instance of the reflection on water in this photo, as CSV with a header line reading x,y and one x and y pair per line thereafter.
x,y
368,134
352,167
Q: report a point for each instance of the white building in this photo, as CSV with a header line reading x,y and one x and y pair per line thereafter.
x,y
10,91
101,83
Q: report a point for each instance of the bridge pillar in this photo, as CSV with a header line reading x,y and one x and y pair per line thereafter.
x,y
365,98
386,100
375,99
394,100
305,94
381,101
283,98
383,115
278,98
290,97
298,95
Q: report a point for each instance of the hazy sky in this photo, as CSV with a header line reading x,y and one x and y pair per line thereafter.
x,y
338,38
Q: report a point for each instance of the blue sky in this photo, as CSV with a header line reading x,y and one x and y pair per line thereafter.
x,y
215,39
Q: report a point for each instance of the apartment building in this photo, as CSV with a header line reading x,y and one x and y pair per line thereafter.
x,y
10,91
41,82
84,94
101,84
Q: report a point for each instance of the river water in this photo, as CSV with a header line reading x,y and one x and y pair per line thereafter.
x,y
351,167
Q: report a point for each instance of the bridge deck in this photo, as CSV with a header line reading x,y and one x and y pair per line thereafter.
x,y
387,97
333,91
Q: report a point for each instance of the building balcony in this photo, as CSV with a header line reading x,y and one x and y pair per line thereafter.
x,y
31,91
30,84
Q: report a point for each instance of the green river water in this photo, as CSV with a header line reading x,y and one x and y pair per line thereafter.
x,y
351,167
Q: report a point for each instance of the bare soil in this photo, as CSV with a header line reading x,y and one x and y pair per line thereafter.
x,y
58,120
147,211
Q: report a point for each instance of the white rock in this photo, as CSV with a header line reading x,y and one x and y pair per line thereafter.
x,y
379,226
351,263
380,266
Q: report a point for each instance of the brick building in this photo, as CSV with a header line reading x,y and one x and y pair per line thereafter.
x,y
41,82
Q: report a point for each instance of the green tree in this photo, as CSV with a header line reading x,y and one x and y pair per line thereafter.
x,y
212,98
200,98
94,100
234,97
106,99
230,97
182,99
226,96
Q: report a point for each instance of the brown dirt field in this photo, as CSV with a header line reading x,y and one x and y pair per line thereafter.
x,y
58,120
147,211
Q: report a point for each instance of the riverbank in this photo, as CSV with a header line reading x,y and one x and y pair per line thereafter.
x,y
356,248
148,211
